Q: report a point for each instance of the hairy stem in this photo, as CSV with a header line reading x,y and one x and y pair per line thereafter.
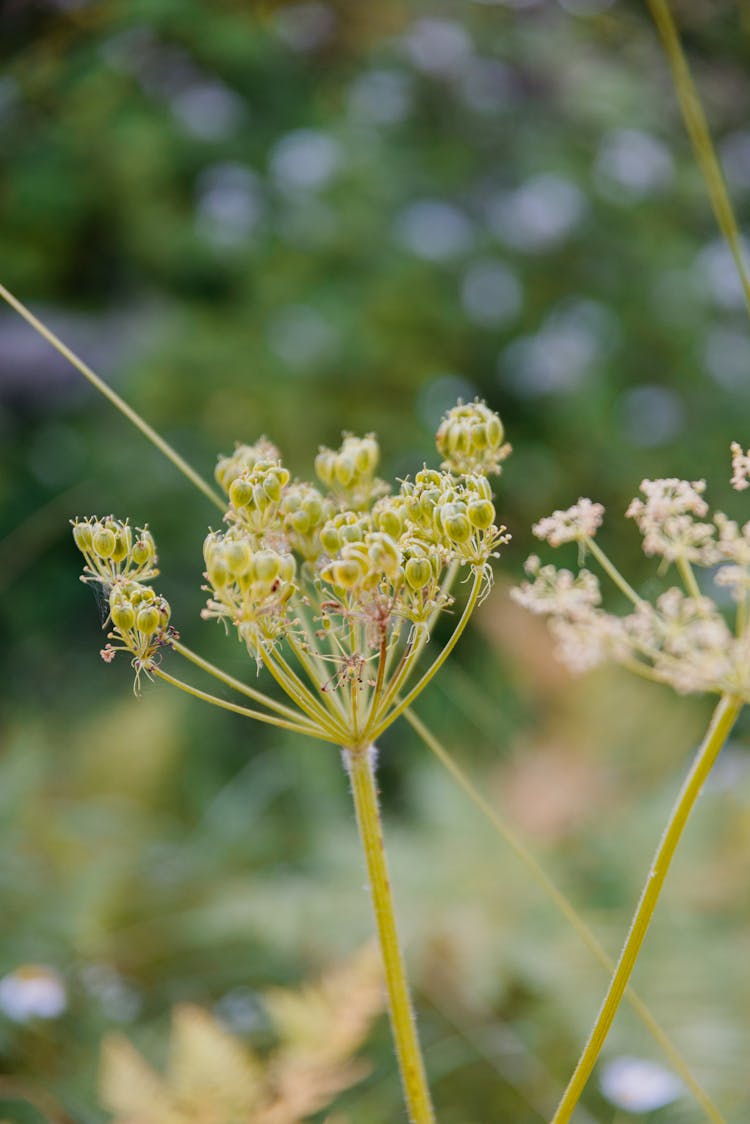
x,y
566,908
360,763
722,721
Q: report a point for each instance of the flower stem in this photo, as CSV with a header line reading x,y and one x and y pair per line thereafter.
x,y
566,908
722,721
360,765
133,417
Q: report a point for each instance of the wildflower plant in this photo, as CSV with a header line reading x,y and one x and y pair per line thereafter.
x,y
682,638
334,589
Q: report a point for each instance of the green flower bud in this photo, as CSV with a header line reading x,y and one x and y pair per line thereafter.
x,y
325,466
103,541
418,573
481,514
345,573
82,537
148,620
266,566
240,492
457,528
345,470
123,541
144,549
237,557
218,572
330,539
123,617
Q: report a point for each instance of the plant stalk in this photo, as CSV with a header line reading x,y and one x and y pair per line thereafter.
x,y
722,721
360,763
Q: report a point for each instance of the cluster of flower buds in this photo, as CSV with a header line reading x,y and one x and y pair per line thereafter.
x,y
251,585
121,561
255,495
682,638
244,459
363,554
349,472
470,438
112,552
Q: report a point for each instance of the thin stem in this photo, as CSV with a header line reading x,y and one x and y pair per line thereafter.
x,y
565,907
313,672
293,686
722,721
360,765
151,434
687,574
438,662
235,684
700,137
612,572
311,730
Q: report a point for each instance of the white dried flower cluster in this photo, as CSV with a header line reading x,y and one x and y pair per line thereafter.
x,y
577,523
740,467
682,638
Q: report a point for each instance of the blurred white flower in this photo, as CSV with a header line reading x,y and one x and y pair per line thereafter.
x,y
229,203
439,46
632,164
305,27
491,293
716,273
638,1085
380,97
538,215
570,342
32,991
208,109
434,230
305,160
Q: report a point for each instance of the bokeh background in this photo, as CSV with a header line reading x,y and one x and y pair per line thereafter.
x,y
307,218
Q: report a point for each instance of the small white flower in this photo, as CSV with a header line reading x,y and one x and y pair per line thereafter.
x,y
579,522
32,991
638,1085
740,467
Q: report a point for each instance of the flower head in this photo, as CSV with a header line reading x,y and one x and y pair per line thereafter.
x,y
682,637
470,437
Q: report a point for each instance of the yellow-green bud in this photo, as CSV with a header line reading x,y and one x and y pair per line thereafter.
x,y
457,528
240,492
123,541
148,620
481,514
418,572
330,539
266,566
238,557
143,550
325,466
123,617
346,573
103,541
82,537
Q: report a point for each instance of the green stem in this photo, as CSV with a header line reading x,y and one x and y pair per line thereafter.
x,y
689,580
722,721
435,666
293,686
700,137
612,572
360,765
568,911
230,681
151,434
271,719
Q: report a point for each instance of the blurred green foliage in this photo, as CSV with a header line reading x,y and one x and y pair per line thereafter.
x,y
299,219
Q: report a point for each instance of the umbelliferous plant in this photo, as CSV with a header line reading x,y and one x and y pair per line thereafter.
x,y
681,639
334,589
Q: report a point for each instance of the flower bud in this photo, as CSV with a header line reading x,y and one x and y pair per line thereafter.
x,y
123,617
457,528
237,557
144,549
418,573
148,620
103,541
82,537
481,514
266,566
240,492
325,466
